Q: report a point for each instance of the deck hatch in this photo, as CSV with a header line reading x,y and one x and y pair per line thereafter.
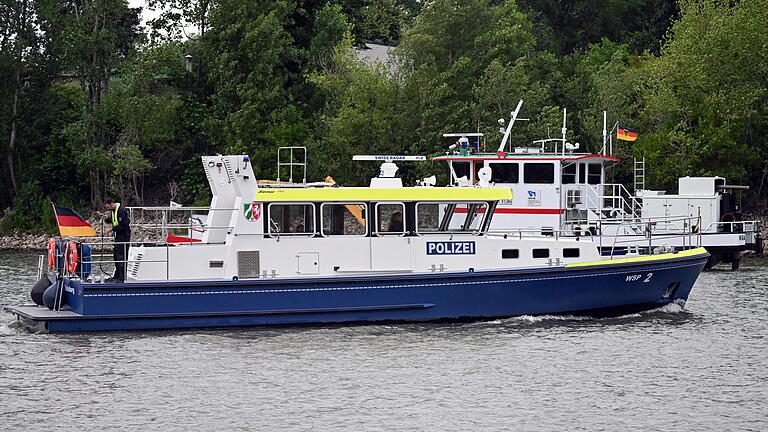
x,y
248,264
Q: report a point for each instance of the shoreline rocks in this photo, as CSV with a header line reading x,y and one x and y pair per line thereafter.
x,y
39,242
24,242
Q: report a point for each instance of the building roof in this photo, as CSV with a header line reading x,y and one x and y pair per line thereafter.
x,y
374,54
448,194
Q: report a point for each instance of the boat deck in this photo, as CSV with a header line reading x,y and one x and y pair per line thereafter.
x,y
41,313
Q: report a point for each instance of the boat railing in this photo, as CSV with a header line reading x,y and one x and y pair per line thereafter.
x,y
612,200
102,253
746,227
539,233
690,232
165,221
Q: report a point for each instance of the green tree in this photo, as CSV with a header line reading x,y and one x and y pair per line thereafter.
x,y
705,96
100,35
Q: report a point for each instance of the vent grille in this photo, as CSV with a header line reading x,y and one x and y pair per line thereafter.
x,y
133,267
248,265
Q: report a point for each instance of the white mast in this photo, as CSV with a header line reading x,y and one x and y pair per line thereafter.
x,y
564,132
509,127
605,131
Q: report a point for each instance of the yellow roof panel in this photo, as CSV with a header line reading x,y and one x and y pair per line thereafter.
x,y
384,194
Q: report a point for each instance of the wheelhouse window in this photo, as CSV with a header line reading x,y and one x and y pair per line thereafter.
x,y
462,169
343,219
539,173
594,173
582,173
569,174
390,218
449,217
292,219
505,172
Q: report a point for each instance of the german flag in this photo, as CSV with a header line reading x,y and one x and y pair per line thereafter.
x,y
71,224
626,134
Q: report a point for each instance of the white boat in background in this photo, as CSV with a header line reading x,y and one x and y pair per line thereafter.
x,y
559,189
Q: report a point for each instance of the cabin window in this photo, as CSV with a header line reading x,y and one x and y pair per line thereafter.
x,y
505,172
582,173
291,219
539,173
428,217
390,218
461,169
569,174
343,219
449,217
594,174
571,253
510,253
541,253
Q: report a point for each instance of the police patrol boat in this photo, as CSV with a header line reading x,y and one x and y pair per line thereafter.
x,y
556,187
287,253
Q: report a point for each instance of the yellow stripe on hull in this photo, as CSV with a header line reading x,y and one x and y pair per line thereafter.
x,y
642,259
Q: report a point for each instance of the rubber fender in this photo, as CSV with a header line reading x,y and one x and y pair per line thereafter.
x,y
39,289
75,284
49,296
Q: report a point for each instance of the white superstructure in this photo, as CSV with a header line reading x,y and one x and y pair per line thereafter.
x,y
284,231
556,188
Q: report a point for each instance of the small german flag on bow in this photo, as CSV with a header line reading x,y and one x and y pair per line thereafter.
x,y
626,134
71,224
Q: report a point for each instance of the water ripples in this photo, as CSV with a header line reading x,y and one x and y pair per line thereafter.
x,y
698,368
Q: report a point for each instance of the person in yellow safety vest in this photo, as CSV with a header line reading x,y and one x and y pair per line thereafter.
x,y
120,224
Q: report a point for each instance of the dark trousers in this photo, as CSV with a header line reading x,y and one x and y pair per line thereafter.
x,y
120,254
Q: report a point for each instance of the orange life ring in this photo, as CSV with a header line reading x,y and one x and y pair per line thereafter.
x,y
70,257
52,253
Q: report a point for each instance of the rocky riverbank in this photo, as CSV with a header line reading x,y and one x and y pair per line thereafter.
x,y
39,242
24,242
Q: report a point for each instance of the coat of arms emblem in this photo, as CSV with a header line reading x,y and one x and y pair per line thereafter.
x,y
252,211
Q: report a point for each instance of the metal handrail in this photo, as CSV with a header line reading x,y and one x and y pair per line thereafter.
x,y
752,223
650,229
619,197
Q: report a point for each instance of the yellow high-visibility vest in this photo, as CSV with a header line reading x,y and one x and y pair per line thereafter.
x,y
115,222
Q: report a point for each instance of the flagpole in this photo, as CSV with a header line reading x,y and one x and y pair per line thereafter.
x,y
610,136
56,218
605,131
60,271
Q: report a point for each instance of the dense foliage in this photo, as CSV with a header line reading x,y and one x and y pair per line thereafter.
x,y
93,104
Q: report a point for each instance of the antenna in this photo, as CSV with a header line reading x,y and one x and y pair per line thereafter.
x,y
388,168
564,130
605,131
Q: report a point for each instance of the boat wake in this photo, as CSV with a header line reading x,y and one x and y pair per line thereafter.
x,y
542,318
669,309
10,328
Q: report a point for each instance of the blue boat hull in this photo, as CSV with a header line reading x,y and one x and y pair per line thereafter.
x,y
605,289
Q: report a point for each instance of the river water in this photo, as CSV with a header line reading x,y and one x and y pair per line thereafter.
x,y
702,368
